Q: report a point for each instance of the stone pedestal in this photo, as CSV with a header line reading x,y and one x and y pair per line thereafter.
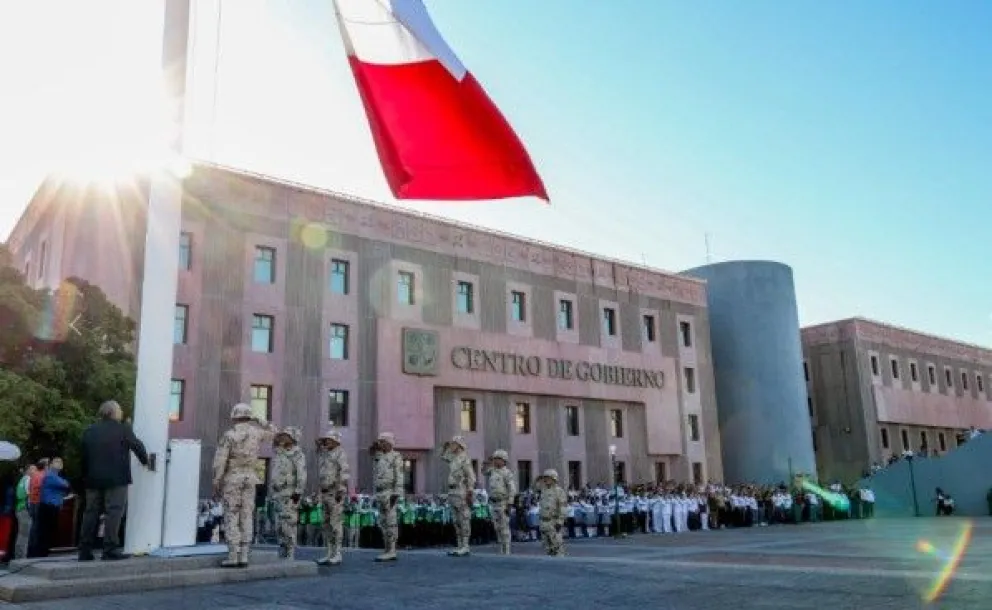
x,y
34,580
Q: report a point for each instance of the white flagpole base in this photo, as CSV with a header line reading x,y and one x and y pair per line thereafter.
x,y
146,497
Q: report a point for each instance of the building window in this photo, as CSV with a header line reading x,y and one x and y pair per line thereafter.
x,y
410,476
572,421
905,440
265,265
42,260
185,251
475,468
949,378
660,472
406,288
932,374
693,427
518,306
566,320
340,276
806,371
685,333
697,472
465,298
924,443
337,408
942,441
575,475
650,331
895,368
620,473
524,475
964,381
690,380
980,381
914,374
874,366
180,326
885,438
809,404
261,333
261,401
468,415
523,418
339,342
610,321
616,423
177,400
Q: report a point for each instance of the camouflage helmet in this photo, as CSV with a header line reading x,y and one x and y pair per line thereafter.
x,y
500,454
330,435
241,411
292,432
461,442
552,474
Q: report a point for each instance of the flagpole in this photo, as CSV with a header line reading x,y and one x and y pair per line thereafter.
x,y
146,497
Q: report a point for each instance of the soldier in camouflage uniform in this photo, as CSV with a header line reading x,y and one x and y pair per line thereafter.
x,y
387,477
554,507
333,475
289,481
235,479
502,491
461,483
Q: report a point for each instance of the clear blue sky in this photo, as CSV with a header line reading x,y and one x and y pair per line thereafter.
x,y
848,139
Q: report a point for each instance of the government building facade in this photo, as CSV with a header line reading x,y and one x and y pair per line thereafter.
x,y
323,310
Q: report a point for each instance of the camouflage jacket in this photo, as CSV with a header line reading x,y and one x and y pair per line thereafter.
x,y
333,473
502,484
237,452
461,476
553,505
289,473
387,473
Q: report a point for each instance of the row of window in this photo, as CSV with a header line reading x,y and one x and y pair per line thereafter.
x,y
263,334
522,420
924,440
339,282
260,400
914,374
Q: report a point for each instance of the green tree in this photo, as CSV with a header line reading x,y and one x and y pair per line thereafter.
x,y
62,353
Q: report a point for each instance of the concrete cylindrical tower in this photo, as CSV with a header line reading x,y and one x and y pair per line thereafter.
x,y
765,427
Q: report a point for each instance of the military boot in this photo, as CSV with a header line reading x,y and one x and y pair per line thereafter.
x,y
243,557
504,547
390,554
332,558
231,561
463,549
290,553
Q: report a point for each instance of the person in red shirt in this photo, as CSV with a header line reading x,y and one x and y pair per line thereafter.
x,y
34,499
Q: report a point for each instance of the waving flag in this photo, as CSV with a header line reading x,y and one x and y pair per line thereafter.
x,y
437,133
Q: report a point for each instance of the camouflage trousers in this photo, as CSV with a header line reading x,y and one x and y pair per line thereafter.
x,y
501,522
388,521
238,499
551,538
461,515
333,523
287,521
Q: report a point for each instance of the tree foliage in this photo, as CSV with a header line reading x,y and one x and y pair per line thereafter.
x,y
62,353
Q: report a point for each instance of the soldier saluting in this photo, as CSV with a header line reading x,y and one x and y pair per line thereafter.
x,y
387,481
235,479
502,491
461,483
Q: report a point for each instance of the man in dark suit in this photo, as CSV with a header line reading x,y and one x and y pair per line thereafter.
x,y
106,466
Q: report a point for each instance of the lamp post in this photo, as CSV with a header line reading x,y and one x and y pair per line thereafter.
x,y
912,485
616,492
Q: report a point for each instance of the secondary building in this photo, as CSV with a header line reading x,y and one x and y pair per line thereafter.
x,y
320,309
876,390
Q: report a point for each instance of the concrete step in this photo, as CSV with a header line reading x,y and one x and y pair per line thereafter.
x,y
70,569
59,580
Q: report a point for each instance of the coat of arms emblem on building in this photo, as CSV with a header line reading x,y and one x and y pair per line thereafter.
x,y
420,351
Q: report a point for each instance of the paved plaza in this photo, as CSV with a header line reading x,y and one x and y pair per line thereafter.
x,y
860,564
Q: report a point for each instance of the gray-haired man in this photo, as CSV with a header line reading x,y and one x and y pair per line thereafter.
x,y
106,467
